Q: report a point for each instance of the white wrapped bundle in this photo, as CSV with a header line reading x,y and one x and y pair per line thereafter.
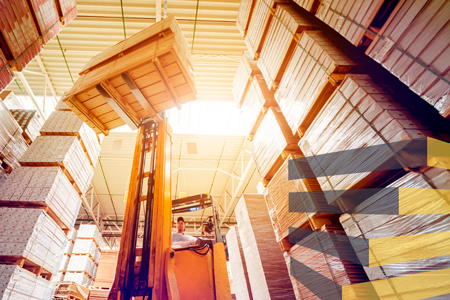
x,y
33,235
68,123
82,263
87,246
90,232
64,263
63,151
80,278
29,121
19,284
46,186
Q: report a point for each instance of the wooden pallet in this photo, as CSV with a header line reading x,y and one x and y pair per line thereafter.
x,y
26,264
95,242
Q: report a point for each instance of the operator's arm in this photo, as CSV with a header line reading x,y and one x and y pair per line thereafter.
x,y
183,241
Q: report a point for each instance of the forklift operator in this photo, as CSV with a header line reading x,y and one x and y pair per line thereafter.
x,y
179,239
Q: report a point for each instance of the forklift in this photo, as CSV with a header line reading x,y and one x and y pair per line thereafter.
x,y
156,271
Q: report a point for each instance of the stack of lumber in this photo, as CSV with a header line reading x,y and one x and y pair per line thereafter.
x,y
10,100
81,264
43,187
135,79
267,272
336,263
19,36
81,278
67,123
61,106
257,101
238,266
45,15
12,144
67,10
280,42
89,247
63,151
340,127
417,196
272,143
105,275
349,18
306,84
6,74
70,290
30,238
17,284
245,72
414,46
90,232
309,5
244,15
259,25
29,121
72,235
285,213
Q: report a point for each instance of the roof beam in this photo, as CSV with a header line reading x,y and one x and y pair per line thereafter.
x,y
47,77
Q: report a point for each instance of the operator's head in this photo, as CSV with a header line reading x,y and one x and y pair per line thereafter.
x,y
181,226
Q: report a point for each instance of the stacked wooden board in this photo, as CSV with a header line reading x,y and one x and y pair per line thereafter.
x,y
17,283
238,267
338,122
43,187
411,244
336,263
245,73
12,144
105,275
267,271
280,42
29,121
152,74
31,239
6,74
64,123
285,213
62,151
61,106
45,15
244,14
257,101
70,291
309,5
66,257
272,143
311,77
413,45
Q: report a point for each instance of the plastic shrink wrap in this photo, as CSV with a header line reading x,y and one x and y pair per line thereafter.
x,y
267,271
17,283
29,121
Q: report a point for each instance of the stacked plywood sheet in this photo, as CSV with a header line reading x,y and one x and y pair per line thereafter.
x,y
87,247
10,100
244,15
70,290
259,24
135,79
83,264
67,10
267,271
67,123
17,284
272,143
63,151
46,186
90,232
311,77
6,74
29,121
413,45
105,276
12,144
324,263
245,72
340,127
256,102
238,266
349,18
31,237
81,278
285,214
280,42
19,36
45,14
309,5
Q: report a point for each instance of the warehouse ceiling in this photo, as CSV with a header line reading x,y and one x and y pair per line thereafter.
x,y
214,164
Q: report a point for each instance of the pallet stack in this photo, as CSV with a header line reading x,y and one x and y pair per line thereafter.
x,y
72,236
241,281
83,263
267,271
70,291
10,100
105,275
244,14
245,73
29,121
